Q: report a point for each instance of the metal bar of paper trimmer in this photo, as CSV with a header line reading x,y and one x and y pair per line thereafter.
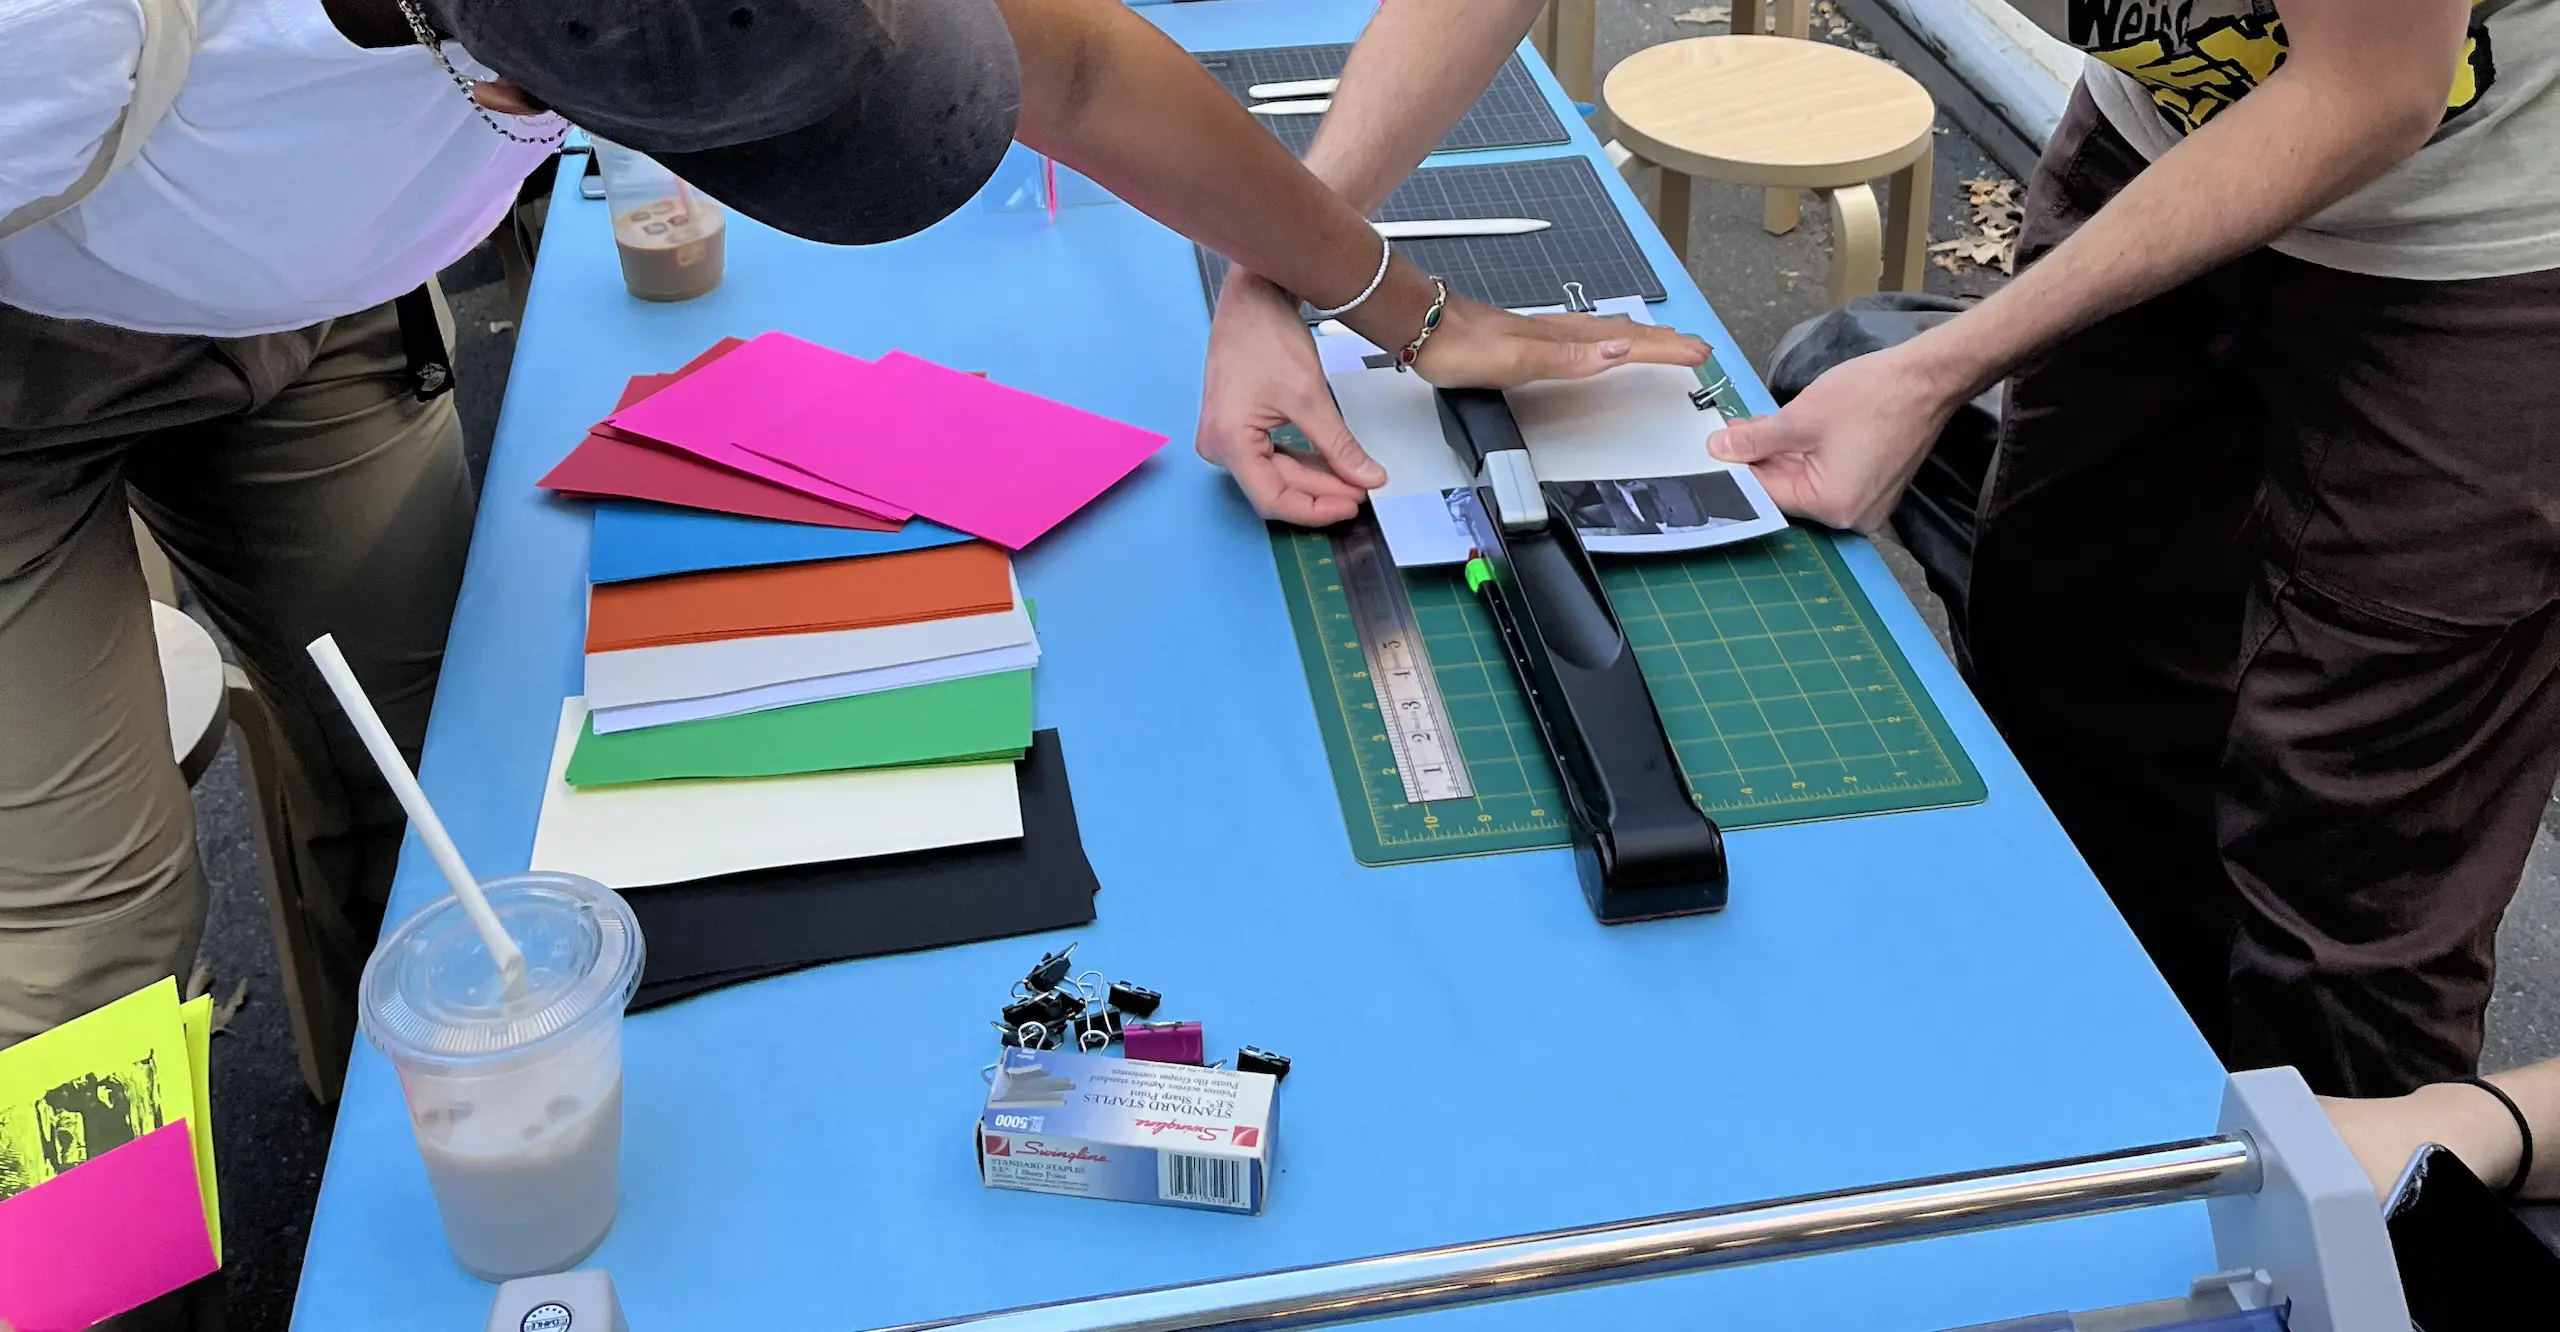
x,y
1480,1273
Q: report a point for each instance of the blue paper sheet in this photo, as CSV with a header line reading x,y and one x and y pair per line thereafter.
x,y
640,540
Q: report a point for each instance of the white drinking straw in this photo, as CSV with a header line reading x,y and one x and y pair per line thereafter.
x,y
422,816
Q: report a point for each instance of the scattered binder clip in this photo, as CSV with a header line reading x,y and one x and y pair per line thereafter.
x,y
1052,969
1039,1009
1135,1000
1251,1060
1053,1007
1164,1042
1098,1030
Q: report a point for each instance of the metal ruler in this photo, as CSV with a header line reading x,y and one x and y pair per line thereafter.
x,y
1415,717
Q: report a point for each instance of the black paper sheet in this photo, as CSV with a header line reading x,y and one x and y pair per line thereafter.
x,y
739,927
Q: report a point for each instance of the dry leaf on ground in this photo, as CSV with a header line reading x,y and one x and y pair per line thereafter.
x,y
1989,237
199,981
230,1008
1705,14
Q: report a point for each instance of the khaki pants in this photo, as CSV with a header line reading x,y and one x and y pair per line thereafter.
x,y
302,490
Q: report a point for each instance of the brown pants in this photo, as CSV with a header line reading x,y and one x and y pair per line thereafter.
x,y
302,490
2266,597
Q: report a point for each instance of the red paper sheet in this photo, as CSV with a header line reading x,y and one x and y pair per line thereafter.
x,y
611,464
729,409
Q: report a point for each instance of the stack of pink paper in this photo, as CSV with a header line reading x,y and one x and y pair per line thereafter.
x,y
888,439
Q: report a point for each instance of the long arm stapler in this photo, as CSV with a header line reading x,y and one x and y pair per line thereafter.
x,y
1641,845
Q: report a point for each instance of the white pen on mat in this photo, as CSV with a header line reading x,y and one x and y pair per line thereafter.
x,y
1294,88
1311,107
1429,227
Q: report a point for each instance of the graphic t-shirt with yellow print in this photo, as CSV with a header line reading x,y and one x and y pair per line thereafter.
x,y
2481,199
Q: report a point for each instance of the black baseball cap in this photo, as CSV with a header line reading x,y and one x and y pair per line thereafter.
x,y
844,121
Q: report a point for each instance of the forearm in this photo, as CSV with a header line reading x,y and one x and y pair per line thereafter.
x,y
1413,73
2307,137
1105,92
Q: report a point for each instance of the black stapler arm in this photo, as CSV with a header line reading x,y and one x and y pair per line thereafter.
x,y
1641,844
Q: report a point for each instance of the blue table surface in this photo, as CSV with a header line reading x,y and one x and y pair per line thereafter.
x,y
1885,998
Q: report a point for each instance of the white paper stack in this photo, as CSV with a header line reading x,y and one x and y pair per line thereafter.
x,y
659,686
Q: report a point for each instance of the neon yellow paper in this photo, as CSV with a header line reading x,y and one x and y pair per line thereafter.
x,y
94,1084
196,1018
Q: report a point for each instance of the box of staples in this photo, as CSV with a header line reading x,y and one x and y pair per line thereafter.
x,y
1101,1127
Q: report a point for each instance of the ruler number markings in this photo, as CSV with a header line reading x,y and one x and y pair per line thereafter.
x,y
1418,730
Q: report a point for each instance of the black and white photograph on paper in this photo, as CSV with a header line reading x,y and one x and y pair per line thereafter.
x,y
1641,515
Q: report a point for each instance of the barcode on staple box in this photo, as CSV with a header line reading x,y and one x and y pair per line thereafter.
x,y
1214,1181
1127,1129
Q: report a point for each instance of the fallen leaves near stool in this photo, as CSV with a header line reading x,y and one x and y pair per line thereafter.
x,y
1990,236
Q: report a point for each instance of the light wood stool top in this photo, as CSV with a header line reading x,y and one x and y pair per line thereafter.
x,y
1769,111
192,684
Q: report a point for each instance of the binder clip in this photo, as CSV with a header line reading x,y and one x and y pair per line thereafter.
x,y
1164,1042
1038,1010
1022,1036
1051,971
1575,302
1098,1030
1251,1060
1137,1001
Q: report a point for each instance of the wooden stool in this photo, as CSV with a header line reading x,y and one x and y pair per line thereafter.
x,y
1567,34
191,680
1773,111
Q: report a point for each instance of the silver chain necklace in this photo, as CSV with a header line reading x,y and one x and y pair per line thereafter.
x,y
427,38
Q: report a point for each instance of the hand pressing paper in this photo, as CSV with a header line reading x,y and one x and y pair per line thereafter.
x,y
1623,452
671,832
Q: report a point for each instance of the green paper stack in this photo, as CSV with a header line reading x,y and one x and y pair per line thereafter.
x,y
980,719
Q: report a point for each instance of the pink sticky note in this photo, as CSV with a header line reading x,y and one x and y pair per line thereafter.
x,y
104,1236
748,397
993,461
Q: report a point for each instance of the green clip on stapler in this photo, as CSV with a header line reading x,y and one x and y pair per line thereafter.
x,y
1642,846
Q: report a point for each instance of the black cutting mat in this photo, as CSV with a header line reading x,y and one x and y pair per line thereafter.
x,y
1513,113
1589,242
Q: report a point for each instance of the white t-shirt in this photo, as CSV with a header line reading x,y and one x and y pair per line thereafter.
x,y
297,178
2481,199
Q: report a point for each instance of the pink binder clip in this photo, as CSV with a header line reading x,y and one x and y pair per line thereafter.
x,y
1163,1042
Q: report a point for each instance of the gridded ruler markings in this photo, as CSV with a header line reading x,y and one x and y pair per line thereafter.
x,y
1589,243
1783,698
1513,113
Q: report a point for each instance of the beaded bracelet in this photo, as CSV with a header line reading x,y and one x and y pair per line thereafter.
x,y
1386,251
1430,325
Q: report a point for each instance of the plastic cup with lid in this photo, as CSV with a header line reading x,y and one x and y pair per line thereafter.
x,y
673,238
517,1105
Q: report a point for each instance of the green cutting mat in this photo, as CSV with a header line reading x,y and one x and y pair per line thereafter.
x,y
1783,696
